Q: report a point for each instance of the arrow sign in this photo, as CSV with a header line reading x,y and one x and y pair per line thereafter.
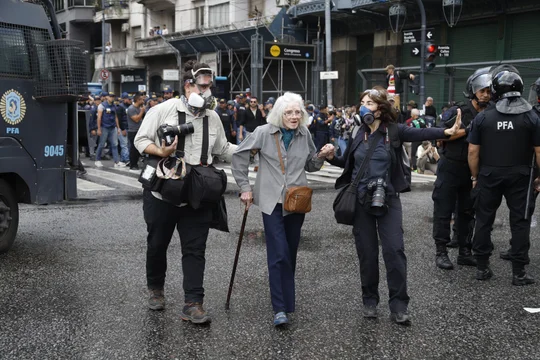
x,y
429,35
415,51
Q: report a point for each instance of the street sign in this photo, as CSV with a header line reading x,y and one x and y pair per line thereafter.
x,y
171,74
277,51
415,51
415,36
104,74
329,75
444,50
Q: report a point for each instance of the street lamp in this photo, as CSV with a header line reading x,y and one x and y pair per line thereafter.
x,y
452,11
397,15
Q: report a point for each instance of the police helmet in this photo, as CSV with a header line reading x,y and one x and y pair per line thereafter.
x,y
480,79
506,84
537,87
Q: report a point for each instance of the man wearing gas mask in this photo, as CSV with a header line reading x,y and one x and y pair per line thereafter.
x,y
161,216
453,182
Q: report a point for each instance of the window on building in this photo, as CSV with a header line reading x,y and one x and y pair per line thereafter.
x,y
218,15
58,5
199,17
137,32
72,3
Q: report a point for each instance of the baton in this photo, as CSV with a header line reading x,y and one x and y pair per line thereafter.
x,y
531,179
236,258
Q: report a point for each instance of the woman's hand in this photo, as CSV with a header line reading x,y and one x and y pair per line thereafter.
x,y
457,125
327,152
247,198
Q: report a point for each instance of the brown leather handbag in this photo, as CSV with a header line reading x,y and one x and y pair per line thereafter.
x,y
297,198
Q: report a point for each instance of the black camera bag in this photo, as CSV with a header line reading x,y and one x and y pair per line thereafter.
x,y
206,183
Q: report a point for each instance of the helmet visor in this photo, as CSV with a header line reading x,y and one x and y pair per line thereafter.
x,y
481,82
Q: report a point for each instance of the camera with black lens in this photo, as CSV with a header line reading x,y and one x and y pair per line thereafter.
x,y
377,188
168,132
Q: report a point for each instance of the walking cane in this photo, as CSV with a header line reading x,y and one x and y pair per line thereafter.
x,y
236,258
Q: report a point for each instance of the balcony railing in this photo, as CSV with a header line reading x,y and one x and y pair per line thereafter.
x,y
112,14
118,59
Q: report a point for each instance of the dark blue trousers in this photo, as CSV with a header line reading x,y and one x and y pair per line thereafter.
x,y
389,229
282,238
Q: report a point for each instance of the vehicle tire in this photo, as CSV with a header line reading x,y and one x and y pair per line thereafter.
x,y
9,216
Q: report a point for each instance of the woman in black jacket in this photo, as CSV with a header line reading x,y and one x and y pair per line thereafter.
x,y
382,181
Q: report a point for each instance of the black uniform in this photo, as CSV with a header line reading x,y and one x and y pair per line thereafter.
x,y
454,184
507,144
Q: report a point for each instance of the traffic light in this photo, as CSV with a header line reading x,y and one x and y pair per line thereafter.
x,y
431,53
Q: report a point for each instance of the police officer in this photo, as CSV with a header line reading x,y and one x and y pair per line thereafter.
x,y
167,93
123,120
505,254
453,176
227,118
503,142
163,217
320,123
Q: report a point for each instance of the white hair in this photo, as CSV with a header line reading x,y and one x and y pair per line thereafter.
x,y
415,112
278,111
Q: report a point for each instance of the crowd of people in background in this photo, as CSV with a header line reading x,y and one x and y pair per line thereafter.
x,y
240,116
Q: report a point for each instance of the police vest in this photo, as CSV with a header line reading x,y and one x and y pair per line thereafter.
x,y
320,125
108,117
506,140
457,150
225,119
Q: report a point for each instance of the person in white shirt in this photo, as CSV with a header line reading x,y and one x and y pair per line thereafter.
x,y
160,214
165,31
427,156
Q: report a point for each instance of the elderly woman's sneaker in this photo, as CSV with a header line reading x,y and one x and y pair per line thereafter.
x,y
280,319
370,312
401,318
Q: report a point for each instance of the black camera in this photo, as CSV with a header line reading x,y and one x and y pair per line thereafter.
x,y
168,132
378,190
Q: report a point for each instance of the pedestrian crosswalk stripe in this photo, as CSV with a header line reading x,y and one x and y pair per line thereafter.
x,y
85,185
117,178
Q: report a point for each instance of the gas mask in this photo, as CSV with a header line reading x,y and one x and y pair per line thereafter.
x,y
366,116
201,99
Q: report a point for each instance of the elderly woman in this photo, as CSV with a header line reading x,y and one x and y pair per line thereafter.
x,y
383,179
287,122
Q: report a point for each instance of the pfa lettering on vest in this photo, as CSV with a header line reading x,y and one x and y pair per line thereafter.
x,y
505,125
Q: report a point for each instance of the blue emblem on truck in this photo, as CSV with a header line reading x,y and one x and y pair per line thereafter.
x,y
12,107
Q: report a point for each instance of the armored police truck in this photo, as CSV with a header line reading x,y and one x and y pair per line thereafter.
x,y
41,78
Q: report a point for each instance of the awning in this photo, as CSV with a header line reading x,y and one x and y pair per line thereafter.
x,y
237,39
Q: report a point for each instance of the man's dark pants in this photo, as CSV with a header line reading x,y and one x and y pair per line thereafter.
x,y
134,154
193,227
453,184
493,184
390,231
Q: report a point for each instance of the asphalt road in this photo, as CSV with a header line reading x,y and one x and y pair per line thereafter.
x,y
73,287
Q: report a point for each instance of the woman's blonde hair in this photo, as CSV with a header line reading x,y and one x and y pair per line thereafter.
x,y
278,111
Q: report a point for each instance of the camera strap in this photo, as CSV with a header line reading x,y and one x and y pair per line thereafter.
x,y
205,142
181,139
372,145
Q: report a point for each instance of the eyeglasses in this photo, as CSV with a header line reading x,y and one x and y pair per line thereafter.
x,y
373,92
290,113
